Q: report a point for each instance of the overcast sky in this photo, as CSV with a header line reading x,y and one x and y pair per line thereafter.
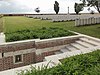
x,y
28,6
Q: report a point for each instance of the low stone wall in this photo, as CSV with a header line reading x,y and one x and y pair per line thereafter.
x,y
10,50
17,54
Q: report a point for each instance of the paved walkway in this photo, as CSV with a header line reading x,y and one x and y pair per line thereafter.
x,y
2,38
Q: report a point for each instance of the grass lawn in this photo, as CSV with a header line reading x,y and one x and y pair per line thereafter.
x,y
13,24
1,24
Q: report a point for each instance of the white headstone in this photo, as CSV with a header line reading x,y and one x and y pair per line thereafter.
x,y
96,20
89,21
86,21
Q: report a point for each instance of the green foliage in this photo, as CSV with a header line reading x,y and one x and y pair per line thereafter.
x,y
56,7
78,7
87,64
91,3
37,10
43,33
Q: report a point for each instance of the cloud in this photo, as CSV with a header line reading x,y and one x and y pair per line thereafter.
x,y
46,6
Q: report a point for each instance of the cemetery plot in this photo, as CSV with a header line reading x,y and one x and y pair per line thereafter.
x,y
14,24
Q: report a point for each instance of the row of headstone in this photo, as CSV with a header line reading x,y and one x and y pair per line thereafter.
x,y
87,21
61,18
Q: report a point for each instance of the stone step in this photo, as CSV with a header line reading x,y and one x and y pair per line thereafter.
x,y
64,50
85,51
53,58
73,53
85,44
76,45
90,41
58,52
71,48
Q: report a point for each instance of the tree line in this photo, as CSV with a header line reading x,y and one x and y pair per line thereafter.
x,y
78,6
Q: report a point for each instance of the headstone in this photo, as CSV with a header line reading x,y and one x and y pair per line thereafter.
x,y
83,22
95,20
99,19
89,21
76,22
92,20
86,21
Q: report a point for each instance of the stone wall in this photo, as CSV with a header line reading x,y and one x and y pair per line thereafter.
x,y
30,52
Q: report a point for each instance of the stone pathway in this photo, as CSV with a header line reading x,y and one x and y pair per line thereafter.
x,y
2,38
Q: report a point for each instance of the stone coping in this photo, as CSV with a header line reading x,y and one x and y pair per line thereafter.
x,y
38,40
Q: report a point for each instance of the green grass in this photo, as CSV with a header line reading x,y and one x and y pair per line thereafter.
x,y
1,24
87,64
13,24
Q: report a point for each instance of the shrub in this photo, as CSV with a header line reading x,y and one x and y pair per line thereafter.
x,y
43,33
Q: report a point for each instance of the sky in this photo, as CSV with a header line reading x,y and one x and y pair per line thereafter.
x,y
46,6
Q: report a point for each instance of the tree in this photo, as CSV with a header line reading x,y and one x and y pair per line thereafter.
x,y
37,10
56,7
78,7
92,3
